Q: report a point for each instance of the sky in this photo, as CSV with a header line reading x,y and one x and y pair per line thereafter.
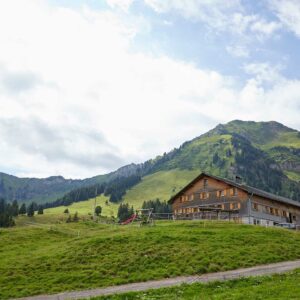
x,y
89,86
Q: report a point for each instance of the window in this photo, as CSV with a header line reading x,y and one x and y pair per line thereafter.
x,y
233,192
255,206
218,194
222,193
256,222
204,195
276,212
271,210
235,205
284,213
192,197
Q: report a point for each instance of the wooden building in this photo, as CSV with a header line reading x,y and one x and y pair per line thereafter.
x,y
212,197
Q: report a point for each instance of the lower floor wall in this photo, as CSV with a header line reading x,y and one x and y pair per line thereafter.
x,y
253,220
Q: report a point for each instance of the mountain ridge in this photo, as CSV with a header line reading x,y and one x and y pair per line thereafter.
x,y
265,154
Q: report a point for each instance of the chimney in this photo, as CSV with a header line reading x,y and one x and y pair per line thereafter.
x,y
238,179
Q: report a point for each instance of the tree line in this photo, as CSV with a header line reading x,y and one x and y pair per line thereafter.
x,y
125,211
158,206
115,188
10,210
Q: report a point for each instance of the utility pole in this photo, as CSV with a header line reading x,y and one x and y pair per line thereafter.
x,y
94,213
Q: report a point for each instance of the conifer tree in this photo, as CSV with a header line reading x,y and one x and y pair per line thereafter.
x,y
15,208
22,210
40,210
30,209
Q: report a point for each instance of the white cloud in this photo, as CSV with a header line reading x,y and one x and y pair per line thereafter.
x,y
222,15
264,72
76,100
288,11
238,51
266,28
243,29
122,4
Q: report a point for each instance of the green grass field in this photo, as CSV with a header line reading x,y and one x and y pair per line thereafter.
x,y
85,208
160,185
276,287
37,260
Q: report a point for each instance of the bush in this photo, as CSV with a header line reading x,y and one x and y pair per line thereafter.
x,y
98,210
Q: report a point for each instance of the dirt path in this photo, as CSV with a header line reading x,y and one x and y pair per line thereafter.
x,y
155,284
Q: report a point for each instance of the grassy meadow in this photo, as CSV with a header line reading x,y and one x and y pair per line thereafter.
x,y
162,185
276,287
73,256
85,208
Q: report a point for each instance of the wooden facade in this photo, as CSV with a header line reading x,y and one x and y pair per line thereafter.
x,y
211,197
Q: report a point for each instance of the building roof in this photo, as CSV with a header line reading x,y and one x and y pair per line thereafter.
x,y
251,190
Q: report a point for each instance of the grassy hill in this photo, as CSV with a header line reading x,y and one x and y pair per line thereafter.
x,y
161,184
49,259
84,208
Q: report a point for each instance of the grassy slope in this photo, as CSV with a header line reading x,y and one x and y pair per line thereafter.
x,y
85,207
265,134
162,185
293,175
198,154
285,139
282,286
37,260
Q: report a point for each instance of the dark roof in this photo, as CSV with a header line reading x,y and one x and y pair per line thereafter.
x,y
247,188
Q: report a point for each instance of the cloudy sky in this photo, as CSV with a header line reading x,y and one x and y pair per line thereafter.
x,y
88,86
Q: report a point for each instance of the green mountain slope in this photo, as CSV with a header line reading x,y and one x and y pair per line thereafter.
x,y
40,190
265,154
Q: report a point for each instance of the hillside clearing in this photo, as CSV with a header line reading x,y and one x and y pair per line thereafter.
x,y
162,185
85,207
42,261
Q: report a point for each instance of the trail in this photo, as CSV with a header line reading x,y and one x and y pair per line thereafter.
x,y
156,284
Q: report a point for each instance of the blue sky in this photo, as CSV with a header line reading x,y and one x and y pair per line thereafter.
x,y
88,86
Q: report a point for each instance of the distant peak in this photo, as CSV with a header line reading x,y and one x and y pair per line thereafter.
x,y
53,178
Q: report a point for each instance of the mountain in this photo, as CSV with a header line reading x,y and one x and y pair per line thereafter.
x,y
265,154
37,189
